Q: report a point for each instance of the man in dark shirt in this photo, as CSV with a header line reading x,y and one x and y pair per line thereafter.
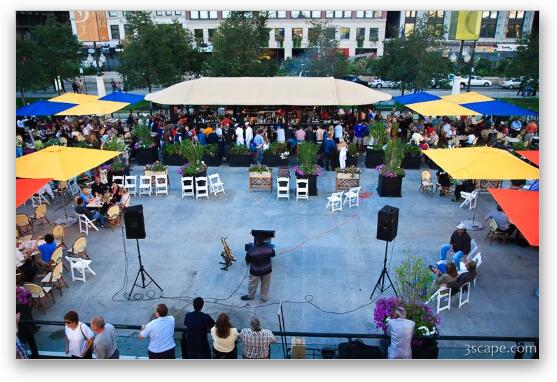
x,y
82,210
198,324
258,256
98,188
460,245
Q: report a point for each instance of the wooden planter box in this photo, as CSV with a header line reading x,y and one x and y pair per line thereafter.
x,y
411,162
173,160
389,186
374,158
212,161
244,160
261,181
146,156
344,181
153,174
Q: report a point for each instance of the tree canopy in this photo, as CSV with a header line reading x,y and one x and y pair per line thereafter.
x,y
239,45
29,73
526,62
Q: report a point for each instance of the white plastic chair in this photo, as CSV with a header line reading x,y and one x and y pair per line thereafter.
x,y
478,260
473,247
161,185
216,184
302,189
39,198
283,188
79,265
119,180
187,186
73,187
470,198
464,291
443,297
201,187
131,184
85,223
335,201
145,185
352,197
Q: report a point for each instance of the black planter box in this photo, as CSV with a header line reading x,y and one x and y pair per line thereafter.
x,y
374,158
173,160
427,350
110,174
243,160
351,161
312,183
146,156
271,160
212,161
411,162
431,164
389,186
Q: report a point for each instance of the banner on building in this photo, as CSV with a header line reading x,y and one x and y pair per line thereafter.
x,y
91,26
465,25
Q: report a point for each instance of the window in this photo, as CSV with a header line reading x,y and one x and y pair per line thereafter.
x,y
300,14
343,14
115,32
198,34
437,19
279,35
127,30
112,13
203,14
411,14
344,33
315,14
178,13
297,36
213,15
329,14
409,22
489,24
377,14
360,33
158,13
369,14
514,26
168,13
225,14
194,15
212,32
373,34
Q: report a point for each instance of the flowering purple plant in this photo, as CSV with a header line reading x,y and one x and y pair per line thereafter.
x,y
192,168
22,295
303,170
389,173
384,309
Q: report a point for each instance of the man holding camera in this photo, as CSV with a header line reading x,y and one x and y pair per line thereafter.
x,y
258,257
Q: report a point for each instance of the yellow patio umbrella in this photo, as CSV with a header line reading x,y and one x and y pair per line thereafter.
x,y
60,162
482,163
440,108
95,108
468,97
74,98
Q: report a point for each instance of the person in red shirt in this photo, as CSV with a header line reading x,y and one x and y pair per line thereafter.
x,y
532,127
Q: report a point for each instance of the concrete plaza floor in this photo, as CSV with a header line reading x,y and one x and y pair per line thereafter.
x,y
325,268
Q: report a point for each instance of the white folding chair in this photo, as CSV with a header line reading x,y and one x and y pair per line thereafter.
x,y
187,186
145,185
335,201
131,184
119,180
302,189
283,188
201,187
79,265
352,197
73,187
478,260
470,198
464,291
161,185
85,223
216,184
39,198
473,247
443,298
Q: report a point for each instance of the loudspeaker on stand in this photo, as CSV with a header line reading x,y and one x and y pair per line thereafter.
x,y
387,223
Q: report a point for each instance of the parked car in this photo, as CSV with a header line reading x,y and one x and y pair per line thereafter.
x,y
381,83
511,83
355,79
442,82
474,81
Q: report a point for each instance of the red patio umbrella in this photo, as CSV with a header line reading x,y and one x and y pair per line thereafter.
x,y
532,155
523,209
25,188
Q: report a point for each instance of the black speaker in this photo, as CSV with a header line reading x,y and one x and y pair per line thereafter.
x,y
135,225
387,223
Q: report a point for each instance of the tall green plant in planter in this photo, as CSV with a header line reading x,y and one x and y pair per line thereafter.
x,y
239,156
377,139
391,173
172,154
193,152
412,156
212,155
119,165
274,155
307,167
145,152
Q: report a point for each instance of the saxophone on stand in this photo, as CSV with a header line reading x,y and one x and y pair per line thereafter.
x,y
226,254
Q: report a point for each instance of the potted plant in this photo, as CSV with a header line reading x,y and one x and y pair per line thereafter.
x,y
239,156
412,157
145,149
260,177
347,178
154,169
375,154
391,173
307,167
352,155
117,165
272,156
195,169
211,157
172,155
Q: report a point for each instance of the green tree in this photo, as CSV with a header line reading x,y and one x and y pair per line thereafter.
x,y
325,59
156,54
239,47
417,58
29,73
56,49
526,62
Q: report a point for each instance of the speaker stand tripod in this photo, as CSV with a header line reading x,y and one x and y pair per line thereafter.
x,y
384,273
143,274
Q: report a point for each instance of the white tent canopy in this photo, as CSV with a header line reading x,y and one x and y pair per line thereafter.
x,y
299,91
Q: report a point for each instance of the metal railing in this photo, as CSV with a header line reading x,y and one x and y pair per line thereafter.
x,y
316,345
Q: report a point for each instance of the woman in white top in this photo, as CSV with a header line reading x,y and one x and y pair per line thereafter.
x,y
342,153
224,338
239,135
249,134
124,197
79,337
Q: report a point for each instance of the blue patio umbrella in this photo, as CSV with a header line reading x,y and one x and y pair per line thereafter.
x,y
123,97
415,98
43,108
499,108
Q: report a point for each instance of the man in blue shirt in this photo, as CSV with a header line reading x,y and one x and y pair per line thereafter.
x,y
46,250
201,137
258,142
329,148
359,130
